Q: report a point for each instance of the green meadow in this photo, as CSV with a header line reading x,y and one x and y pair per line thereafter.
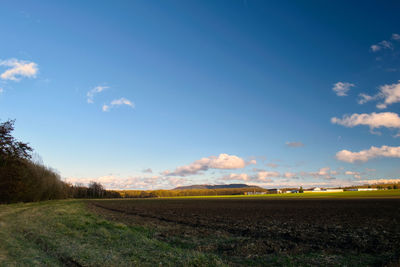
x,y
65,233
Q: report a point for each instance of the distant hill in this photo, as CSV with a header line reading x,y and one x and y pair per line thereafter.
x,y
222,186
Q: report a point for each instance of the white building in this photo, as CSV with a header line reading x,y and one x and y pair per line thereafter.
x,y
367,189
334,190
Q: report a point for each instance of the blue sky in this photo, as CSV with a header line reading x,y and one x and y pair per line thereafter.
x,y
156,94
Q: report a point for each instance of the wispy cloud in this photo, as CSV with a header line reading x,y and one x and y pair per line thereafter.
x,y
272,165
223,161
1,90
373,120
382,45
98,89
118,102
324,173
396,36
294,144
365,155
18,69
341,88
356,175
390,93
364,98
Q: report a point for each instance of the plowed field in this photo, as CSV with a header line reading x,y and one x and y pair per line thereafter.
x,y
277,231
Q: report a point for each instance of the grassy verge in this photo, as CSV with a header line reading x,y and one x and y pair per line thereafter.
x,y
64,233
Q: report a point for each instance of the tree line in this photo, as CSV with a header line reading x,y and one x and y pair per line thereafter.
x,y
188,192
24,180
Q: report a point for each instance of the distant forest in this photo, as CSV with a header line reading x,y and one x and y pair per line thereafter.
x,y
23,180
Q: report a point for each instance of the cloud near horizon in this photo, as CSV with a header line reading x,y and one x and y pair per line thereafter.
x,y
114,182
324,173
148,170
378,181
223,161
18,69
118,102
341,88
261,176
365,155
356,175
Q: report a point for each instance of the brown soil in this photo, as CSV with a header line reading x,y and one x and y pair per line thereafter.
x,y
251,228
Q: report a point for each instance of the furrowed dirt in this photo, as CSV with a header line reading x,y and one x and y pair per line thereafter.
x,y
357,231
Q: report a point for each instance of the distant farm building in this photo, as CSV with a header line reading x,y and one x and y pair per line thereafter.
x,y
367,189
292,191
321,190
362,189
333,190
274,191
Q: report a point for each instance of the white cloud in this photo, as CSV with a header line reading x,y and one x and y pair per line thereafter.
x,y
365,155
98,89
122,101
237,176
323,173
375,48
252,161
341,88
390,93
105,108
18,69
223,161
294,144
382,45
386,44
395,36
264,175
364,98
1,90
118,102
373,120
